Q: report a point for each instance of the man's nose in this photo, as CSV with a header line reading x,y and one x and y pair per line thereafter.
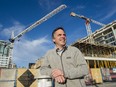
x,y
63,36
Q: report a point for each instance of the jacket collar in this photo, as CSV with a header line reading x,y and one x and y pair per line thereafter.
x,y
57,49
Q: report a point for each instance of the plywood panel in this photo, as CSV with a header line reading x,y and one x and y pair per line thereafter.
x,y
96,75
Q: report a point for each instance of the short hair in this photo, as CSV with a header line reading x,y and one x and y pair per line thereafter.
x,y
58,28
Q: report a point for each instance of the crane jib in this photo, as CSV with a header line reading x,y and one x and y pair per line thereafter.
x,y
55,11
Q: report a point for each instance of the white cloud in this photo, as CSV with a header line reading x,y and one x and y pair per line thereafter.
x,y
17,28
44,4
79,7
48,4
109,14
26,51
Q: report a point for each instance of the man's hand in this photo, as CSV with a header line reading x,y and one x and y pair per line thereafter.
x,y
58,75
60,79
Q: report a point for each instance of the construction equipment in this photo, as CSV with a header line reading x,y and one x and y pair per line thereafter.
x,y
45,18
60,8
87,24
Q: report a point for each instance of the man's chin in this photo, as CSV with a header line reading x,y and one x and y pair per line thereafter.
x,y
63,44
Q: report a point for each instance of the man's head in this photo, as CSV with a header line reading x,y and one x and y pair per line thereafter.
x,y
59,37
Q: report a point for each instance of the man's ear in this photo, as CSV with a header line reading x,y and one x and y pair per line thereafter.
x,y
53,40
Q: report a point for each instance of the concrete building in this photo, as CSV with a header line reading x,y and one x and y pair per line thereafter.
x,y
105,35
5,55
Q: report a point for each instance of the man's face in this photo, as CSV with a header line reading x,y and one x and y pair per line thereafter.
x,y
59,38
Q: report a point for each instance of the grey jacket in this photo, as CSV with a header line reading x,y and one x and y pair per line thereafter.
x,y
72,63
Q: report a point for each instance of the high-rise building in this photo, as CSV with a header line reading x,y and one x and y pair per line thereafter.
x,y
5,54
105,35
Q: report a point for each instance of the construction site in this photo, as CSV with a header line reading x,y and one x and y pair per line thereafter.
x,y
98,48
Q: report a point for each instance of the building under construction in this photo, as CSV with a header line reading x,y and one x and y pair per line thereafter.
x,y
102,53
101,58
98,55
105,35
98,47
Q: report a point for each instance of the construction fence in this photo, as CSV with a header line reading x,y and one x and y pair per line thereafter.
x,y
26,77
18,77
100,75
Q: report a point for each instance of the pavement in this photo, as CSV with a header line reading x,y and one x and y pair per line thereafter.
x,y
105,84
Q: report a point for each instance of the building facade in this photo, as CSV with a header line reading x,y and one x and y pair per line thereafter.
x,y
5,54
105,35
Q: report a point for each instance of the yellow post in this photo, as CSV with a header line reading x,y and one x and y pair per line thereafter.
x,y
111,64
114,64
94,64
102,63
105,64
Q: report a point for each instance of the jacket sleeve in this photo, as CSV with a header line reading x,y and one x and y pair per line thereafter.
x,y
81,68
45,68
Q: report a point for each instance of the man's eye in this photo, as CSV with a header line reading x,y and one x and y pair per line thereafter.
x,y
59,34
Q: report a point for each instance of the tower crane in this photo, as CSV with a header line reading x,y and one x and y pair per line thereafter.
x,y
43,19
55,11
87,24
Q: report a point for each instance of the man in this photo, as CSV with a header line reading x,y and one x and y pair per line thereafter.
x,y
65,64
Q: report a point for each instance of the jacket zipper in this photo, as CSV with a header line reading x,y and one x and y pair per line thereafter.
x,y
62,66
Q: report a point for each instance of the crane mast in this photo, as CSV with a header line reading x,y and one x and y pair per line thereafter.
x,y
55,11
87,24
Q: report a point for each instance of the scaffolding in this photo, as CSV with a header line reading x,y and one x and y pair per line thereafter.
x,y
98,55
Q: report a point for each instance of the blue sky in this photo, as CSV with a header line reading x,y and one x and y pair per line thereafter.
x,y
16,15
